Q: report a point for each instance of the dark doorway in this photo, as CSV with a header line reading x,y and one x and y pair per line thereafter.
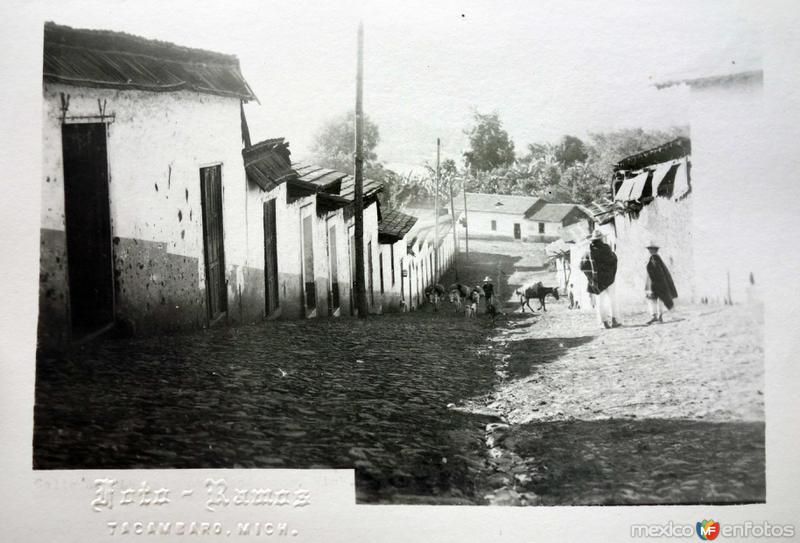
x,y
352,250
370,278
88,227
270,258
309,284
211,194
517,231
333,270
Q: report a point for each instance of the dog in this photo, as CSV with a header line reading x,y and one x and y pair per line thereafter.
x,y
537,291
472,303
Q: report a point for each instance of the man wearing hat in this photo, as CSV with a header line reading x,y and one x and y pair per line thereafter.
x,y
488,291
659,288
599,264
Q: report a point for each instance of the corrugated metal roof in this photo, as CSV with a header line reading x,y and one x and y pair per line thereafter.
x,y
268,163
498,203
394,226
106,59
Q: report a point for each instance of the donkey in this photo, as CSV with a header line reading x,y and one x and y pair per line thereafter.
x,y
434,293
537,291
458,294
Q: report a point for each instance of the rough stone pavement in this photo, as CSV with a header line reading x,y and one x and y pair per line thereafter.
x,y
431,407
339,393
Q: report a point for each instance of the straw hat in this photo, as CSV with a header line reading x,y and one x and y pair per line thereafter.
x,y
597,234
487,279
652,245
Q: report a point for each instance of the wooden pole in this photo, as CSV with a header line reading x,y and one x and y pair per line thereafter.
x,y
361,293
453,220
435,273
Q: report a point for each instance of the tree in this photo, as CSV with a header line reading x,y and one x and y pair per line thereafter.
x,y
490,145
570,151
334,145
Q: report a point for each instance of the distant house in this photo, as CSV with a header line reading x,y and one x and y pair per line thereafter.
x,y
499,216
548,222
142,186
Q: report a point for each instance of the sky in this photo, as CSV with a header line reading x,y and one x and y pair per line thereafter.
x,y
548,69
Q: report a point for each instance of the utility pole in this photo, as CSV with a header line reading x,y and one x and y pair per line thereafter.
x,y
453,221
436,217
361,293
466,218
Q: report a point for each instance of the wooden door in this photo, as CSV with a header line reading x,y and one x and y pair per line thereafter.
x,y
214,250
88,227
270,258
333,269
352,250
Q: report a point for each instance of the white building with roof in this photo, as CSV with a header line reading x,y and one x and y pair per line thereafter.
x,y
498,216
143,186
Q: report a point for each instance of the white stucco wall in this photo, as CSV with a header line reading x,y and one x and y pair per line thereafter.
x,y
480,224
727,178
156,146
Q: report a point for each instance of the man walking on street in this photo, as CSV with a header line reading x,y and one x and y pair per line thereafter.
x,y
488,291
600,266
659,289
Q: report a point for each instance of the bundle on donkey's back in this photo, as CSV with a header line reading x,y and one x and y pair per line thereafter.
x,y
434,294
463,296
535,291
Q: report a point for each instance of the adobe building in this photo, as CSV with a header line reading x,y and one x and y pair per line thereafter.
x,y
142,186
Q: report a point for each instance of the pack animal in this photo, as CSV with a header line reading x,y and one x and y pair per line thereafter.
x,y
535,291
434,294
457,295
472,303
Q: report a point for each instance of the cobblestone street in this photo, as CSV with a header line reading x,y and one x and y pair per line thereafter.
x,y
290,394
431,407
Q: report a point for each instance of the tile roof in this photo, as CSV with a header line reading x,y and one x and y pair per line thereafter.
x,y
553,212
394,226
106,59
677,148
324,177
498,203
371,187
335,182
268,163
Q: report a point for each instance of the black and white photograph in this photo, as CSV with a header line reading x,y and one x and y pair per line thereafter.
x,y
481,254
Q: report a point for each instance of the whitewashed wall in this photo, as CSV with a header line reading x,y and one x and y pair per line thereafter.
x,y
480,224
156,146
727,178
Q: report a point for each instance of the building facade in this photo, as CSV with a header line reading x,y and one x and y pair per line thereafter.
x,y
142,185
